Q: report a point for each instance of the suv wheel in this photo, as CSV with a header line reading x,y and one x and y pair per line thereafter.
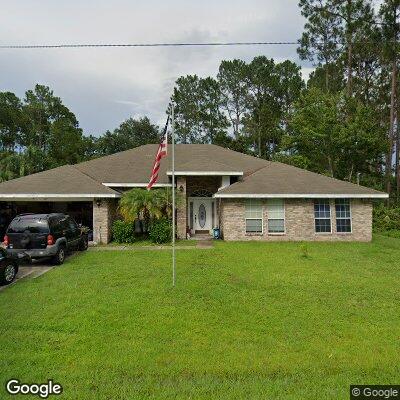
x,y
59,258
8,274
83,245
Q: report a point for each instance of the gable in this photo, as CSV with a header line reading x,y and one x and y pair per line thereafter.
x,y
58,182
135,165
281,180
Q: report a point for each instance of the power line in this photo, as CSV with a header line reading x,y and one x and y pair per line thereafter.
x,y
77,45
104,45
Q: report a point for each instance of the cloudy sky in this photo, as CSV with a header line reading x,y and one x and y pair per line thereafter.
x,y
105,86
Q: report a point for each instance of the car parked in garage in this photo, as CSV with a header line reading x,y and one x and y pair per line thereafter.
x,y
8,267
44,235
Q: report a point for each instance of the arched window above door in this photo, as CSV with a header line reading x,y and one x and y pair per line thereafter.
x,y
199,192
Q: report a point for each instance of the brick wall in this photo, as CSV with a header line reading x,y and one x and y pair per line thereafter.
x,y
103,217
181,211
299,221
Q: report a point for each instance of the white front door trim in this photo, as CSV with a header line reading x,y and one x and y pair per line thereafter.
x,y
202,213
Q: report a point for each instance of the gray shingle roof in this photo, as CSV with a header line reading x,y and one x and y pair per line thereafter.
x,y
260,177
135,165
65,180
278,179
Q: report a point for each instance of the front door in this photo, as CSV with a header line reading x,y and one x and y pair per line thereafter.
x,y
203,214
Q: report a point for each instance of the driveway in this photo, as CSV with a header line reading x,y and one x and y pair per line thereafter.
x,y
31,271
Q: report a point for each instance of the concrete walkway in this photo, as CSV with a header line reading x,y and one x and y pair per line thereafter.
x,y
205,244
201,244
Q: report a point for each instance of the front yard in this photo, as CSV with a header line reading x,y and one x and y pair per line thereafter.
x,y
246,321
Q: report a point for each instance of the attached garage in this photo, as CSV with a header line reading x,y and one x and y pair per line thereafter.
x,y
65,189
81,211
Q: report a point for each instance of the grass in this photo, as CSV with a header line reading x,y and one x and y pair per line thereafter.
x,y
395,233
245,321
149,243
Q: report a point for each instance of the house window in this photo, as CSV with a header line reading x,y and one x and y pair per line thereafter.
x,y
322,215
254,216
276,216
343,215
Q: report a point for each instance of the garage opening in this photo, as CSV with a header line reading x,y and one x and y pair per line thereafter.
x,y
81,211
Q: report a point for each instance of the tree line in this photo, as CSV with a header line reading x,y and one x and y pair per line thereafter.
x,y
39,132
342,122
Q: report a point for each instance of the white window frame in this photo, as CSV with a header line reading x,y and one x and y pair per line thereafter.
x,y
350,217
330,218
247,201
274,219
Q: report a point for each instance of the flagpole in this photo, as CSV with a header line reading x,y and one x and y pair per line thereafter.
x,y
173,191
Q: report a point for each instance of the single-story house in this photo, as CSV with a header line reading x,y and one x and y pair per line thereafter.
x,y
248,198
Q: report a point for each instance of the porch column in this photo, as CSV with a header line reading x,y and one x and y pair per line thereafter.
x,y
181,212
104,213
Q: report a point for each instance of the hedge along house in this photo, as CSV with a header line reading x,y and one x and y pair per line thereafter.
x,y
246,197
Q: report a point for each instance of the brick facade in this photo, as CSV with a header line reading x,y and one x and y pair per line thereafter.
x,y
299,217
181,212
299,222
103,216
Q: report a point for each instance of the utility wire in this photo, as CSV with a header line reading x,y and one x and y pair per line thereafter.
x,y
63,46
94,45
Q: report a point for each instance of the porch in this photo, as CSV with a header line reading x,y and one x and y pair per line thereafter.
x,y
198,213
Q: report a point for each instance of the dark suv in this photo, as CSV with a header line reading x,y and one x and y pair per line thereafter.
x,y
8,267
44,235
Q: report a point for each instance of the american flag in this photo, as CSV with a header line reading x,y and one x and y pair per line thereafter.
x,y
161,152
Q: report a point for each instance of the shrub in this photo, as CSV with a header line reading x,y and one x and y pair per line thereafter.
x,y
123,232
160,231
386,218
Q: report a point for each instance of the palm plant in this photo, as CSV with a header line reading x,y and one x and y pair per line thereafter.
x,y
146,205
138,204
163,199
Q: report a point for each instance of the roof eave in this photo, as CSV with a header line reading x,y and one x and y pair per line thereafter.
x,y
302,195
57,196
139,185
207,173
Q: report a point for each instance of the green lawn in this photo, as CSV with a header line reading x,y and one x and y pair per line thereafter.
x,y
246,321
149,243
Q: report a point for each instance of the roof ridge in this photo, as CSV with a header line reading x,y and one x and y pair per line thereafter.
x,y
247,176
37,173
94,180
229,167
118,153
257,169
227,149
287,179
323,175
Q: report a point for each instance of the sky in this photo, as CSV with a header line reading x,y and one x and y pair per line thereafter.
x,y
104,86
